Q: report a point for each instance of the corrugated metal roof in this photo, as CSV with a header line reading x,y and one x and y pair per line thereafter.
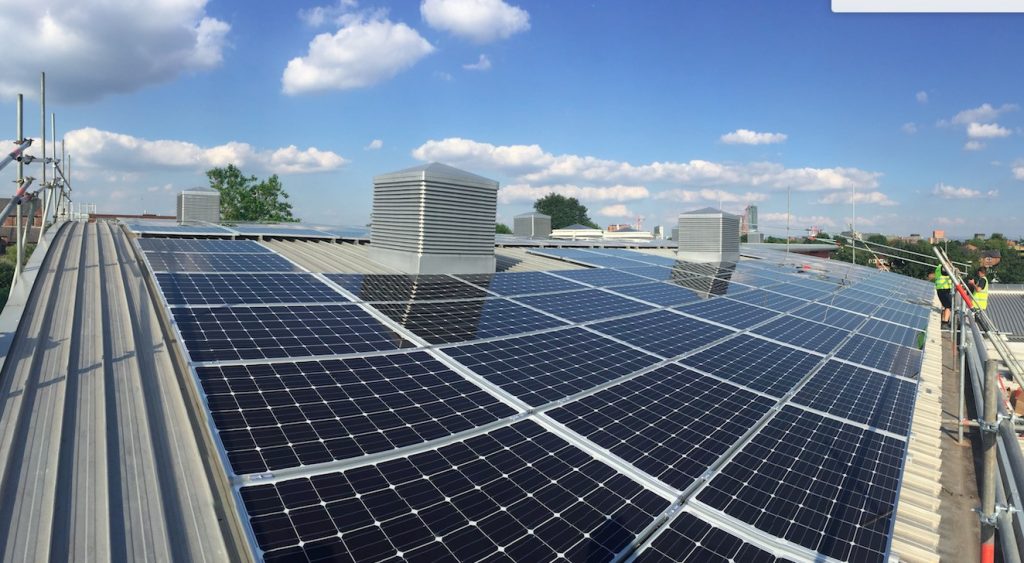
x,y
1007,311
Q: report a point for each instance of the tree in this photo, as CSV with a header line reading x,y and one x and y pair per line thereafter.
x,y
246,198
564,211
502,229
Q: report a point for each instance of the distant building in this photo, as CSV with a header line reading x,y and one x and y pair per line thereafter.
x,y
575,232
628,234
748,221
532,225
659,232
618,227
979,236
938,236
755,238
914,238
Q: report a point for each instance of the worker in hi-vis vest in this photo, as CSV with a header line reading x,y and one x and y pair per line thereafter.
x,y
979,288
944,289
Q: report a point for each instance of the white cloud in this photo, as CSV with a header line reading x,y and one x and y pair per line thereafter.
x,y
691,196
922,97
368,49
862,197
952,192
320,15
525,192
909,128
445,76
531,164
111,47
483,63
374,145
748,137
985,113
109,151
986,131
481,21
617,210
973,146
949,221
797,222
1018,172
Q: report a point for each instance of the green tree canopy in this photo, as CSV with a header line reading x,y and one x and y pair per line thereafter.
x,y
564,211
246,198
502,229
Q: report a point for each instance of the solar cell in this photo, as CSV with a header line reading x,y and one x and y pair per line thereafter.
x,y
841,301
831,316
770,300
586,258
728,312
458,321
233,289
659,273
664,294
241,333
398,287
758,364
520,283
860,395
585,305
665,333
800,290
891,332
828,486
602,277
274,416
201,245
517,493
801,332
914,316
541,368
688,539
671,423
222,262
882,355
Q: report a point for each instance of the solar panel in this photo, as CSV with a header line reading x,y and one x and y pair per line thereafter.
x,y
446,322
585,305
664,294
397,287
233,289
671,423
820,483
689,539
801,332
243,333
275,416
520,283
770,300
895,333
882,355
800,290
728,312
518,493
659,273
841,301
860,395
201,245
831,316
602,277
176,229
223,262
755,363
541,368
586,258
903,313
665,333
269,230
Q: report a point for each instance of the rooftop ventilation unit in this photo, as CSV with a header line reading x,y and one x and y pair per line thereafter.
x,y
434,219
532,225
709,235
199,205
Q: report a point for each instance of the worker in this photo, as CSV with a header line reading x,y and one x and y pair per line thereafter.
x,y
944,289
979,287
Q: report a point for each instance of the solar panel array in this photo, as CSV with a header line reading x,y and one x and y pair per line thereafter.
x,y
647,407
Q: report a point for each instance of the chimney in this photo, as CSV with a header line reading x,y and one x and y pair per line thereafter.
x,y
709,235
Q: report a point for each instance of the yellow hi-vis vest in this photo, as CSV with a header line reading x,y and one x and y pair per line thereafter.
x,y
981,296
942,281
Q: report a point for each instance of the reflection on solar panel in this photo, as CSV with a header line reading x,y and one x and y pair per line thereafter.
x,y
672,423
602,277
243,333
520,283
863,396
841,301
664,333
441,322
728,312
586,305
895,333
541,368
283,415
800,290
769,300
689,539
803,333
222,262
200,245
829,315
394,287
817,482
885,356
267,230
664,294
755,363
659,273
232,289
914,316
586,258
176,229
519,493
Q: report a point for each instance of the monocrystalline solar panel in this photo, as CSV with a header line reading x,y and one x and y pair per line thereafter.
x,y
665,333
831,316
815,481
800,291
520,283
664,294
602,277
244,333
659,273
891,332
841,301
801,332
688,539
175,229
729,312
270,230
275,416
878,354
517,493
584,257
901,312
233,289
755,363
770,300
398,287
458,321
542,368
585,305
671,423
860,395
218,262
201,245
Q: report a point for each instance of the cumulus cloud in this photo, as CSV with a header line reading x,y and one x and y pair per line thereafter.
x,y
862,197
321,15
909,128
482,21
531,164
366,50
986,131
949,221
374,145
526,192
617,210
111,47
691,196
952,192
483,63
778,219
985,113
748,137
922,97
973,146
94,148
1018,172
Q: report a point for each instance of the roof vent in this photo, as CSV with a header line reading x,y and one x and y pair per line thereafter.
x,y
532,225
709,235
434,219
199,205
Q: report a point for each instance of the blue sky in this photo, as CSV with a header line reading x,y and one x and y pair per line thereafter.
x,y
638,108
